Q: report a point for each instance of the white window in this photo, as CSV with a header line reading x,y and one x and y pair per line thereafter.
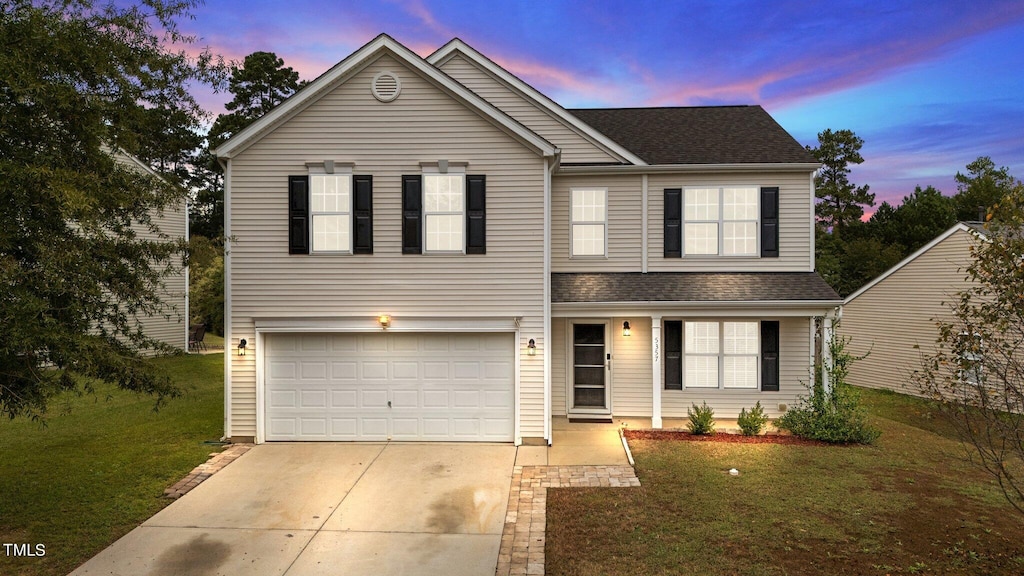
x,y
721,354
720,221
444,212
331,201
589,221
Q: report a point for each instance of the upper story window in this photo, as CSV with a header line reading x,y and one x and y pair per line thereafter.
x,y
720,221
331,212
589,216
444,212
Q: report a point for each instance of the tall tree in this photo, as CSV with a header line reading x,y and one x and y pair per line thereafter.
x,y
841,202
258,84
77,81
980,188
976,374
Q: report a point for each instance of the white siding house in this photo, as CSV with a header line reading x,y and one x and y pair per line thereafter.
x,y
430,249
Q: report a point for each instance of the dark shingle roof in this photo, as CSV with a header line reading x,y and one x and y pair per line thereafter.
x,y
690,287
697,135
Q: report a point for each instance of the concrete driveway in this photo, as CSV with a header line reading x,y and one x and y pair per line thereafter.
x,y
310,508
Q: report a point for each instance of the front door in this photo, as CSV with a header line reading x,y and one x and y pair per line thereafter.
x,y
589,368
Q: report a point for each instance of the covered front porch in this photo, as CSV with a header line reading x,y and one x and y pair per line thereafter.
x,y
646,347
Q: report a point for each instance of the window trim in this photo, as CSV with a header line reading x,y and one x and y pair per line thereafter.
x,y
603,224
722,355
721,221
429,173
314,173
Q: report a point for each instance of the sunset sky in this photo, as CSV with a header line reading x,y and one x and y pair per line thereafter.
x,y
929,85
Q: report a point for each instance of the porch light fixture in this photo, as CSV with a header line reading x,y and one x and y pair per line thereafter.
x,y
241,347
531,347
384,320
625,328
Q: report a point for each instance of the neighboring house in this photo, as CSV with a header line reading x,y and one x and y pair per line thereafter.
x,y
892,318
170,325
430,249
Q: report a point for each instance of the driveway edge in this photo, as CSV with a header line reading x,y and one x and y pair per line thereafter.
x,y
217,461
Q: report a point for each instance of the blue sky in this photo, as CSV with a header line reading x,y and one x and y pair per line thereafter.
x,y
930,85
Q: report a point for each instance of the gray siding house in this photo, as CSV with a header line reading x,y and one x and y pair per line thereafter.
x,y
431,249
892,318
168,326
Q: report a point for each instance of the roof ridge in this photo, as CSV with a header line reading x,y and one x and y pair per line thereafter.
x,y
671,107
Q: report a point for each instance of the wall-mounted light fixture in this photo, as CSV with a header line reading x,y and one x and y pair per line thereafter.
x,y
384,320
241,347
625,328
531,347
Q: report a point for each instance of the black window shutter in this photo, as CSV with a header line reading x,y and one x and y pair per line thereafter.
x,y
673,355
770,356
412,214
476,214
362,215
673,221
298,214
770,222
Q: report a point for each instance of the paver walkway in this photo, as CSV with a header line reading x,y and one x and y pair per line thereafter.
x,y
522,540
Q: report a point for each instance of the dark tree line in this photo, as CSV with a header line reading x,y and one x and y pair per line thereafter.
x,y
850,252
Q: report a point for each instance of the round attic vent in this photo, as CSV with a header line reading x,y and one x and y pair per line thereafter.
x,y
386,86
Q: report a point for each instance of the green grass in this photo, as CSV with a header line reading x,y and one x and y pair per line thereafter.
x,y
907,505
99,467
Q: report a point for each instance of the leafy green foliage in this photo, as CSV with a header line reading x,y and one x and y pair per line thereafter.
x,y
206,295
258,84
981,188
753,422
79,82
834,413
976,374
841,202
702,419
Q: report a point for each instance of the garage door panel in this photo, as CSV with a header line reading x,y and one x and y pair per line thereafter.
x,y
440,387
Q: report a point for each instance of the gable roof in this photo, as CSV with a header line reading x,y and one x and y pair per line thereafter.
x,y
699,135
341,71
625,287
532,95
976,228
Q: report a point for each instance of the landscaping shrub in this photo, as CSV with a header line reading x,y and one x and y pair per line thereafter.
x,y
702,419
835,417
751,423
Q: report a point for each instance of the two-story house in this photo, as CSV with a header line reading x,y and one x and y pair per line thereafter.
x,y
431,249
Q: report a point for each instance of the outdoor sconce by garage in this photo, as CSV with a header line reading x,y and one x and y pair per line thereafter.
x,y
241,347
384,320
625,328
531,347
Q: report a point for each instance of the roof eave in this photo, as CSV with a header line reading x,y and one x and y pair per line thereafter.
x,y
782,307
454,45
731,167
354,62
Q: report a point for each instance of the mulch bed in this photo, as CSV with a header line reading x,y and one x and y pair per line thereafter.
x,y
721,437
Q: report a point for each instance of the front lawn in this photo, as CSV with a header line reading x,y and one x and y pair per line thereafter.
x,y
96,472
906,505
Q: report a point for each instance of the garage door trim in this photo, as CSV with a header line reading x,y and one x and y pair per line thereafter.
x,y
364,326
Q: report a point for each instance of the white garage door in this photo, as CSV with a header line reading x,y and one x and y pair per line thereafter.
x,y
394,386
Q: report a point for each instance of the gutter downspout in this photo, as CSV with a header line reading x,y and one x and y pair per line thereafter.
x,y
226,165
548,168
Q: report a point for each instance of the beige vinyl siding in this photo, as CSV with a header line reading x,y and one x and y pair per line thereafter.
x,y
624,249
386,141
575,147
896,314
631,367
559,364
794,372
794,224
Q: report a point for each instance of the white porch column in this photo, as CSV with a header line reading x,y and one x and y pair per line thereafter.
x,y
656,371
827,334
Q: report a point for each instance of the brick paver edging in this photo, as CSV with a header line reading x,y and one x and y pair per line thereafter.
x,y
217,461
522,540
